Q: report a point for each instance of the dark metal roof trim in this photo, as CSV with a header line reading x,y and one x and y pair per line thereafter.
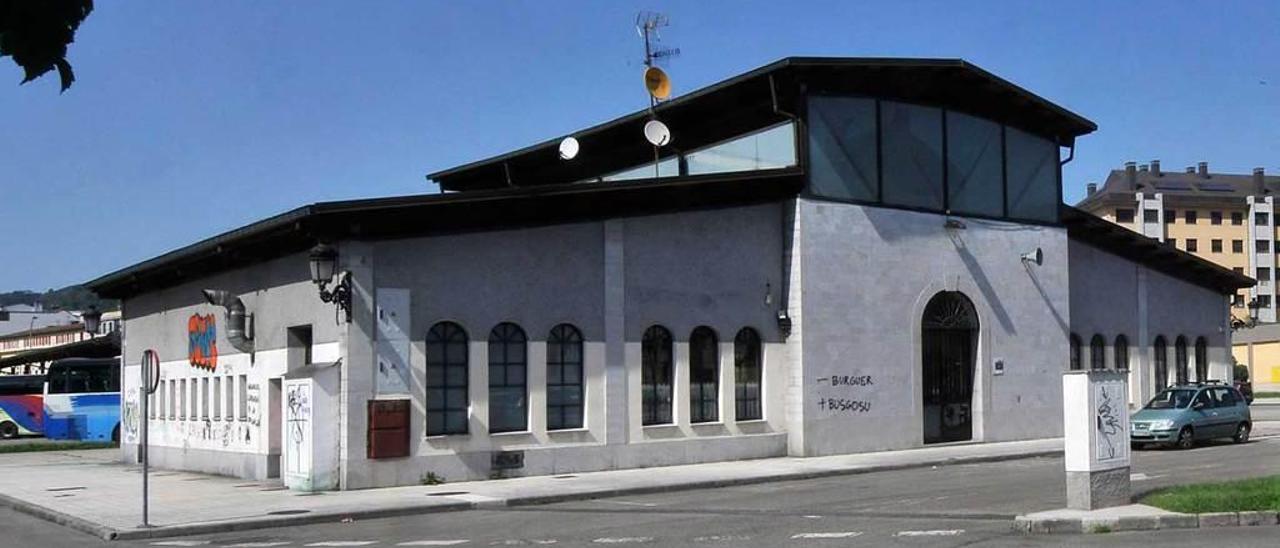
x,y
1085,227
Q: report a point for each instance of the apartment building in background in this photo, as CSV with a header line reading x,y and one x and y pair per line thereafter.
x,y
1226,218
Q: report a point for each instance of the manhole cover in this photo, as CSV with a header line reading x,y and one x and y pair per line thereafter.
x,y
57,489
288,512
446,493
563,477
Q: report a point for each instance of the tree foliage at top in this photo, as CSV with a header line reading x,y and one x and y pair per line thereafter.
x,y
72,297
36,34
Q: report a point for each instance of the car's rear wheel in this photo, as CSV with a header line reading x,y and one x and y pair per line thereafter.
x,y
1242,433
1186,438
8,430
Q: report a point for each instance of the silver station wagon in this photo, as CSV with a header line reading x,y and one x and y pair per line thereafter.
x,y
1183,415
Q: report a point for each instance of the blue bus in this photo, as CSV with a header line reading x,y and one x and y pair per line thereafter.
x,y
82,399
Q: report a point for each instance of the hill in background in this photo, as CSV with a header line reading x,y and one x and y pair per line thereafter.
x,y
72,297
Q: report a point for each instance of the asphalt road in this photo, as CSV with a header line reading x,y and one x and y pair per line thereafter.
x,y
944,506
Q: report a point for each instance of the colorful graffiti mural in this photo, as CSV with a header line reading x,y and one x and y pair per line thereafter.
x,y
202,341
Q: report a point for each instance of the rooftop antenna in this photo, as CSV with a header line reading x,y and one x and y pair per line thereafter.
x,y
656,80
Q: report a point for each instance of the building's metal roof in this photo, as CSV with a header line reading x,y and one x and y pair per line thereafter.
x,y
1162,257
62,328
106,346
532,186
426,214
753,100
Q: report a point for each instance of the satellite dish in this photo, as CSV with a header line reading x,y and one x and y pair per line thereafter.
x,y
657,133
657,82
568,148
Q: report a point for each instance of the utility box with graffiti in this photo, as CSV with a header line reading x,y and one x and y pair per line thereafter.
x,y
1096,428
310,444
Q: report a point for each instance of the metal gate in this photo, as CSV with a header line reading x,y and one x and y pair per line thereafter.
x,y
950,332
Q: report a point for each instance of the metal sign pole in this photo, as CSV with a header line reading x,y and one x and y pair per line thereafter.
x,y
150,361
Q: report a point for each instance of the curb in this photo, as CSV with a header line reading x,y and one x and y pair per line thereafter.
x,y
1098,525
245,524
772,478
65,520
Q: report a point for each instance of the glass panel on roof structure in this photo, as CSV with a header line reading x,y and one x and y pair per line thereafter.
x,y
669,167
1033,176
771,148
975,170
888,153
911,152
842,148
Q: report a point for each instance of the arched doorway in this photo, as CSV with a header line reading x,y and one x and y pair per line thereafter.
x,y
950,340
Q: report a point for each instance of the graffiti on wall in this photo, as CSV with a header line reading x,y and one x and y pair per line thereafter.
x,y
130,417
297,418
253,404
1111,437
850,396
202,341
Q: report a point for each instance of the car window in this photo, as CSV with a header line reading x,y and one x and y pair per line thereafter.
x,y
1226,397
1171,399
1203,398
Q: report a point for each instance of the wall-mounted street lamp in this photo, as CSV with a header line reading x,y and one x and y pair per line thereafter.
x,y
324,268
92,319
1251,321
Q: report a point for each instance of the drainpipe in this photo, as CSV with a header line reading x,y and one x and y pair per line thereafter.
x,y
781,311
239,323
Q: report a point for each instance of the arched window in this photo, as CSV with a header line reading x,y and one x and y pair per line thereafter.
x,y
447,399
1161,351
1098,352
655,376
747,373
1075,351
1180,359
508,406
564,378
704,376
1122,353
1202,360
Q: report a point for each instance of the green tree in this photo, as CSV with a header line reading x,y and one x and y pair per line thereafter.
x,y
36,34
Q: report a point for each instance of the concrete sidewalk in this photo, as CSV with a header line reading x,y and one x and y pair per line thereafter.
x,y
93,492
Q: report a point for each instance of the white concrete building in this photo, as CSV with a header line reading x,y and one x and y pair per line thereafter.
x,y
841,255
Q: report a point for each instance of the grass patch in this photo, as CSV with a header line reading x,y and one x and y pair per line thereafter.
x,y
45,445
1258,494
1266,395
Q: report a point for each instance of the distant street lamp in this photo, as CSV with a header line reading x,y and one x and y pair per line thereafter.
x,y
92,320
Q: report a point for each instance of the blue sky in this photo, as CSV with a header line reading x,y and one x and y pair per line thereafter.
x,y
191,119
